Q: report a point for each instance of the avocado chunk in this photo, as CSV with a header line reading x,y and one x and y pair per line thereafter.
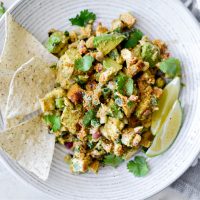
x,y
150,53
107,42
69,57
111,69
56,42
109,62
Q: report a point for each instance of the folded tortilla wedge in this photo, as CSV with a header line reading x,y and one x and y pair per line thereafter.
x,y
19,47
30,145
29,83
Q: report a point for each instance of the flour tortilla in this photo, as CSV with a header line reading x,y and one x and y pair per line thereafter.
x,y
19,47
30,145
30,82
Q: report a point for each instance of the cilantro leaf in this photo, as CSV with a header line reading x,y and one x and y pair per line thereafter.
x,y
121,80
171,67
88,117
125,85
112,160
84,64
130,104
53,121
2,9
83,18
138,166
116,112
134,37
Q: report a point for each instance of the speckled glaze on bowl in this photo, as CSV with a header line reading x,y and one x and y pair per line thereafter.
x,y
167,20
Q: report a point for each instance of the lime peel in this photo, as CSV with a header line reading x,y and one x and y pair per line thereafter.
x,y
169,96
168,132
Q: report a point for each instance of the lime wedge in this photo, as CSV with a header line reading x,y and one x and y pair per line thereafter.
x,y
168,131
169,96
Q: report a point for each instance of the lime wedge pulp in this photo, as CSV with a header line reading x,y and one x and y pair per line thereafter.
x,y
169,96
168,132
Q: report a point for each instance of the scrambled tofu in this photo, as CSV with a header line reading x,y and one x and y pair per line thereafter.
x,y
108,85
112,68
70,118
128,19
112,129
79,165
131,136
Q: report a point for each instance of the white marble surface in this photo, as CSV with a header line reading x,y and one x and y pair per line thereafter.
x,y
12,188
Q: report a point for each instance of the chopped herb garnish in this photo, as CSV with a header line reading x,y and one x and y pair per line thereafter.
x,y
112,160
134,37
83,18
90,144
53,121
2,9
88,117
116,112
138,166
66,33
117,30
130,104
171,67
125,85
84,64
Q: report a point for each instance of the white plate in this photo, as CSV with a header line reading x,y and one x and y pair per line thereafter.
x,y
166,19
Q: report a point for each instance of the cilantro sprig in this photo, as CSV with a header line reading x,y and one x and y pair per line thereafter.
x,y
83,18
84,64
112,160
138,166
53,121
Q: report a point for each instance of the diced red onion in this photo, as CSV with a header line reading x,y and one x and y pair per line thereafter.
x,y
96,135
68,145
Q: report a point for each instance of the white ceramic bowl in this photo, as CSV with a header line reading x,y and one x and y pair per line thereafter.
x,y
167,20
